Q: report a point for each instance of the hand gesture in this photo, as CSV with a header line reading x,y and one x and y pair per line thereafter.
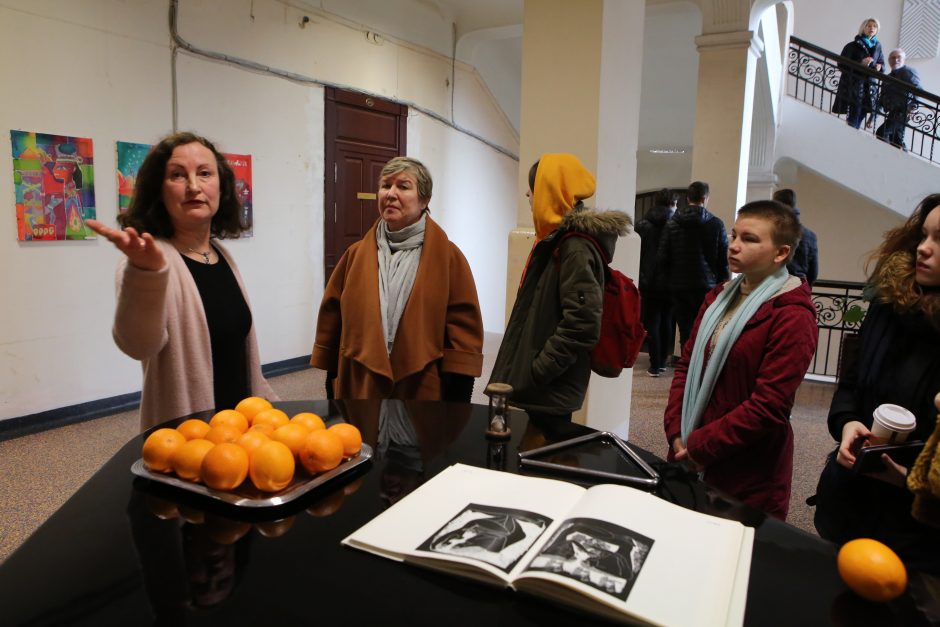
x,y
854,434
141,249
682,455
867,60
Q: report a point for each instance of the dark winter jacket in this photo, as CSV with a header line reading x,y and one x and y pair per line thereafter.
x,y
745,441
555,321
693,253
650,229
895,97
898,362
805,261
854,86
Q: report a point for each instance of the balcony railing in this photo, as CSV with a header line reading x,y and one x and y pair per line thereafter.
x,y
813,77
840,310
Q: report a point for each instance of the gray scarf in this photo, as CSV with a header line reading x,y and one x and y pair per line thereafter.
x,y
399,255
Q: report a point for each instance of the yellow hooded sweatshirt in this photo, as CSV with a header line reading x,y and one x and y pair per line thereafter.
x,y
560,182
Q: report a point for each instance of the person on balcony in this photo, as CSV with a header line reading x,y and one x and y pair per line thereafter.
x,y
728,414
898,362
897,102
856,93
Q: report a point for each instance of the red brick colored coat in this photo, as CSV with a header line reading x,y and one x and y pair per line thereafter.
x,y
441,329
744,439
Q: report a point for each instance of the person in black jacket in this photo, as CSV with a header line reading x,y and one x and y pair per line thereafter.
x,y
693,255
654,290
855,95
898,362
896,101
805,260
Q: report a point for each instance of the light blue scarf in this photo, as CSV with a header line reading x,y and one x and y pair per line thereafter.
x,y
700,378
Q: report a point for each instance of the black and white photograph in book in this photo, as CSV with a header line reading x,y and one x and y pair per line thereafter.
x,y
605,556
495,535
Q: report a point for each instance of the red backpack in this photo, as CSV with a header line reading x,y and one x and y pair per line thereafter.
x,y
622,331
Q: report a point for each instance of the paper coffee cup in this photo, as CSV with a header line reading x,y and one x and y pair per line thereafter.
x,y
891,424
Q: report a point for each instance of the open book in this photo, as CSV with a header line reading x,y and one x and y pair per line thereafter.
x,y
609,549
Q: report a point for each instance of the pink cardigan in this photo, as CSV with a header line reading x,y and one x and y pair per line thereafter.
x,y
161,322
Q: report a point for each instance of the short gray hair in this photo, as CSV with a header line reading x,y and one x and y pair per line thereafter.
x,y
415,167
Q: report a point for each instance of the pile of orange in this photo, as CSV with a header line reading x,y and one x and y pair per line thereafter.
x,y
254,441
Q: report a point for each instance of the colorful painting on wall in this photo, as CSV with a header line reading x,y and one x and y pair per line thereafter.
x,y
129,158
54,183
241,166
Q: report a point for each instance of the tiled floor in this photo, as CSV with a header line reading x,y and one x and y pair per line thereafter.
x,y
41,471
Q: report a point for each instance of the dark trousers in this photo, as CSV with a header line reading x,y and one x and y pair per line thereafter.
x,y
685,306
657,319
855,115
892,130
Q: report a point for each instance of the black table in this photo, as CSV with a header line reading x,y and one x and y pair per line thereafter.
x,y
106,557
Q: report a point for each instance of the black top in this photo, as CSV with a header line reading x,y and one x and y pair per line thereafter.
x,y
229,321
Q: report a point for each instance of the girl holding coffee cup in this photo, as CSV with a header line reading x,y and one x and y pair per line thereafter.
x,y
885,394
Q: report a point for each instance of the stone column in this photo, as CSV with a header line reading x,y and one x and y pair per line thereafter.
x,y
725,100
581,64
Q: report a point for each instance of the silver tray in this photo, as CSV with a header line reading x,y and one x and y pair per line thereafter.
x,y
247,495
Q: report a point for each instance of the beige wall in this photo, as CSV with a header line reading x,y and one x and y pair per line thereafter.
x,y
849,226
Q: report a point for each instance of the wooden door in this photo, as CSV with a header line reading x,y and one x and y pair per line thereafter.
x,y
362,134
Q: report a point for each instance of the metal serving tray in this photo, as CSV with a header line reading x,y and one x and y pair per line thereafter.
x,y
247,495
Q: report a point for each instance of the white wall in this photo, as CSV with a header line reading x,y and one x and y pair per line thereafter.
x,y
101,69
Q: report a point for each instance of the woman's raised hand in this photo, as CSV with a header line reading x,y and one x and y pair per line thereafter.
x,y
141,249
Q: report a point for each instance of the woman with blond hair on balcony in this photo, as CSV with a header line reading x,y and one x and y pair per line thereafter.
x,y
856,93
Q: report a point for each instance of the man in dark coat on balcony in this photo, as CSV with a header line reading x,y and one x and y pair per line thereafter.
x,y
805,260
897,102
693,255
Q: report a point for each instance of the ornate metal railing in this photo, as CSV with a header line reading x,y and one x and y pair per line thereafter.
x,y
840,310
813,76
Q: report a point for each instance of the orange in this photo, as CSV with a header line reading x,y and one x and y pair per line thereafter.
x,y
350,437
264,427
271,467
252,439
271,416
161,508
250,406
225,466
322,451
872,570
293,434
159,448
193,428
309,420
230,417
328,505
223,433
187,460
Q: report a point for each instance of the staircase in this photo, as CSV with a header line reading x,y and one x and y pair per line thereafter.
x,y
810,134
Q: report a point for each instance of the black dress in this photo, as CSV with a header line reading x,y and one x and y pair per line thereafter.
x,y
229,320
856,92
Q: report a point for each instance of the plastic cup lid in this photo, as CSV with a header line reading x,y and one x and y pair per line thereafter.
x,y
895,417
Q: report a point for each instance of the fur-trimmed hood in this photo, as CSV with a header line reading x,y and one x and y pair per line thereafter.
x,y
604,226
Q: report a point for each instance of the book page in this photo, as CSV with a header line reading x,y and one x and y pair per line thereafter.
x,y
473,517
637,554
741,577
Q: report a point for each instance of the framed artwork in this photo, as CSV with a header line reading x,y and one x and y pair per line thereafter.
x,y
54,185
241,166
129,158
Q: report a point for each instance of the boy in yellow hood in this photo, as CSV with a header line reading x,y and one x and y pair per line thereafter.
x,y
556,319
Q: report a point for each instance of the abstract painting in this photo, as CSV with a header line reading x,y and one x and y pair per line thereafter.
x,y
54,185
129,158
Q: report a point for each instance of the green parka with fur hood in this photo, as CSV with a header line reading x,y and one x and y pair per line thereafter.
x,y
556,319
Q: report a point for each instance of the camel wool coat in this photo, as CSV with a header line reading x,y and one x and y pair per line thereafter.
x,y
441,329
